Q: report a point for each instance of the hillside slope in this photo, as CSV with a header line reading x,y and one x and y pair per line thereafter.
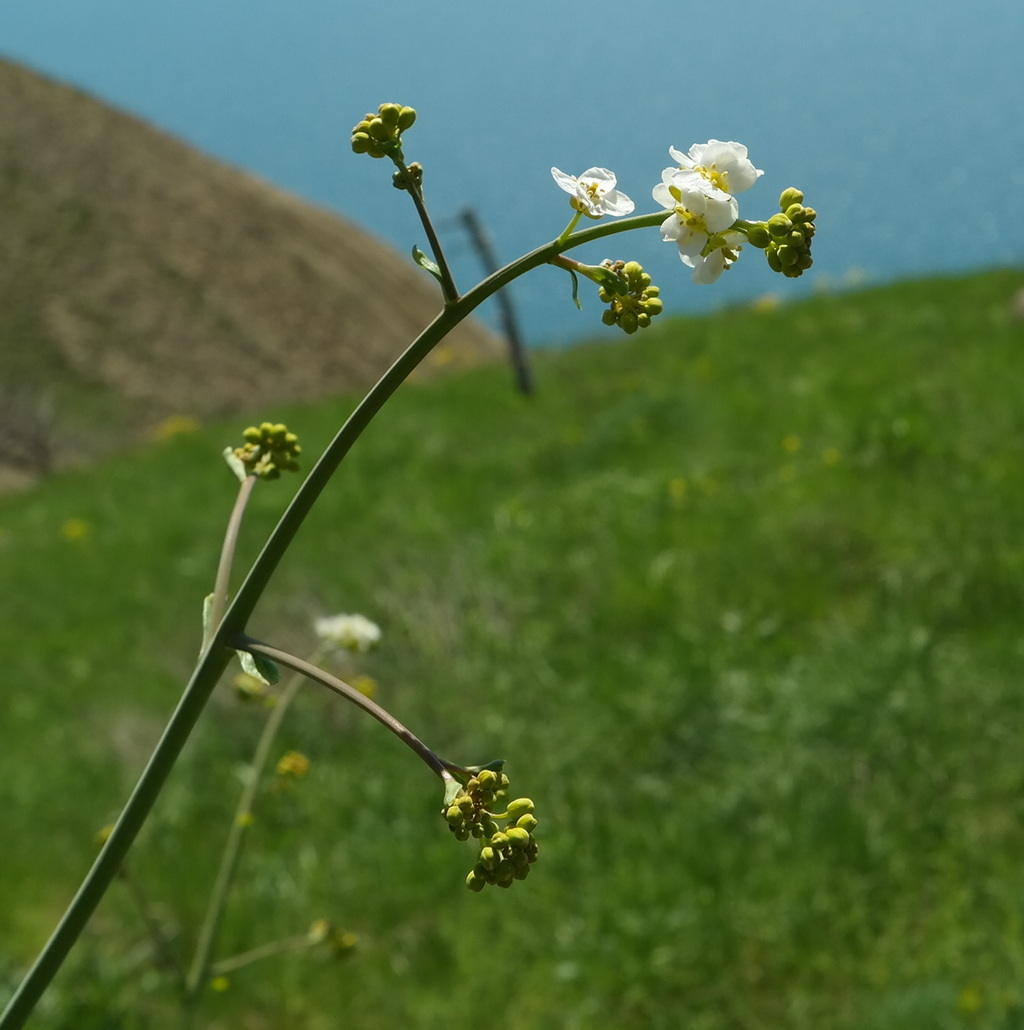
x,y
134,266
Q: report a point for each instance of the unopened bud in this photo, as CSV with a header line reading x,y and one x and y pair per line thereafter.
x,y
518,837
779,225
790,196
521,806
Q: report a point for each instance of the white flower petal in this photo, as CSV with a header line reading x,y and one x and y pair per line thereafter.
x,y
567,182
726,165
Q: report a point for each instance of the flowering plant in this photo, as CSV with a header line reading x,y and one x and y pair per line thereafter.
x,y
699,213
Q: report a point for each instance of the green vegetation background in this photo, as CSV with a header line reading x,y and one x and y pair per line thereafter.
x,y
740,601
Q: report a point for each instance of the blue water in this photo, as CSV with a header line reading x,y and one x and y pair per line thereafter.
x,y
901,120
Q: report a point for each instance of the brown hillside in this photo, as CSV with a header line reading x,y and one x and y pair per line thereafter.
x,y
135,269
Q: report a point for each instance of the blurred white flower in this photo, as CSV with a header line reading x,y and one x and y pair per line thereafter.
x,y
352,632
594,192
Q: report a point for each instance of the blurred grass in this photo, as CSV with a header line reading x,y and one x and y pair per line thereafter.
x,y
738,599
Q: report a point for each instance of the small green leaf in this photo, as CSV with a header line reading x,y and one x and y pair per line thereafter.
x,y
426,264
611,281
235,464
207,619
451,791
260,666
494,766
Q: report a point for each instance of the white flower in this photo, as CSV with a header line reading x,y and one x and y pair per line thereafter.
x,y
699,210
352,632
707,268
724,165
594,192
699,224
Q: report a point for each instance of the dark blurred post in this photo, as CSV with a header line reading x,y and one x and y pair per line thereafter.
x,y
516,351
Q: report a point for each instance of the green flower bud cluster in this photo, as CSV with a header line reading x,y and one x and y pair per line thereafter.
x,y
786,237
380,134
633,304
506,852
269,450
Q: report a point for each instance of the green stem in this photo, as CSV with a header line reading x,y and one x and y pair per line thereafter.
x,y
199,970
216,656
415,190
567,231
246,958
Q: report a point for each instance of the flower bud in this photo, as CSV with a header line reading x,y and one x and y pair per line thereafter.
x,y
527,822
759,236
789,256
779,225
521,806
454,816
475,883
790,196
518,837
406,117
389,114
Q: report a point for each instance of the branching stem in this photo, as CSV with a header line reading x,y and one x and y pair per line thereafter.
x,y
217,653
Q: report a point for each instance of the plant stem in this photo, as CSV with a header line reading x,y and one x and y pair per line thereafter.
x,y
216,655
229,965
199,970
227,554
347,691
415,190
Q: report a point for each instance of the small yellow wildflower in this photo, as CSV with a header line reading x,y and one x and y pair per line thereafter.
x,y
75,529
220,984
792,443
366,685
968,1001
248,688
293,764
175,425
677,488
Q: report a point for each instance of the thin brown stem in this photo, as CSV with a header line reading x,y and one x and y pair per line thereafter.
x,y
347,691
227,554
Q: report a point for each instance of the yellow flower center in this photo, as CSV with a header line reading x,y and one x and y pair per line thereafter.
x,y
714,176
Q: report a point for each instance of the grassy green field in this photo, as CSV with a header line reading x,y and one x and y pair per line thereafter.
x,y
739,600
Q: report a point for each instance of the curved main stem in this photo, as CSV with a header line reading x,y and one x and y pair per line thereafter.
x,y
217,654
